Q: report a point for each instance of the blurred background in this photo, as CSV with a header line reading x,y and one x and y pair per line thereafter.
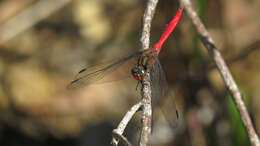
x,y
44,43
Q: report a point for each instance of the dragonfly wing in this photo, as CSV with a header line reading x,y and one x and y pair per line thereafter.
x,y
161,94
110,71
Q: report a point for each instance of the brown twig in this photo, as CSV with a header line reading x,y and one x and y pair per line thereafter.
x,y
224,71
122,125
146,83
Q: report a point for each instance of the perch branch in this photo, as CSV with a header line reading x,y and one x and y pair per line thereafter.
x,y
147,110
122,125
121,137
146,86
224,71
147,20
146,83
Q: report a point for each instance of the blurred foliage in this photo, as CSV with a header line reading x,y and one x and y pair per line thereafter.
x,y
239,135
38,63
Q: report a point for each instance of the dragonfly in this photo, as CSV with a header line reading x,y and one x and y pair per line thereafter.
x,y
141,61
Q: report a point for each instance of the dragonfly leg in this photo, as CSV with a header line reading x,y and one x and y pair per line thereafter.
x,y
137,85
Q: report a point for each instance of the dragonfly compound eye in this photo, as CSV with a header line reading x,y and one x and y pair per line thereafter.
x,y
134,70
137,73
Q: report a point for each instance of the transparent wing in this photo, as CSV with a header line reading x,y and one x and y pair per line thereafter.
x,y
161,94
110,71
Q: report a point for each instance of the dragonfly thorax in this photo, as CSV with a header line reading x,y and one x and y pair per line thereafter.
x,y
138,72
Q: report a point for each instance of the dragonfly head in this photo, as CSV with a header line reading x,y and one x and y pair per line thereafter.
x,y
138,72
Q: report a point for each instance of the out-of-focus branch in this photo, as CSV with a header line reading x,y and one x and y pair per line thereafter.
x,y
122,125
146,83
29,17
11,8
224,71
195,128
